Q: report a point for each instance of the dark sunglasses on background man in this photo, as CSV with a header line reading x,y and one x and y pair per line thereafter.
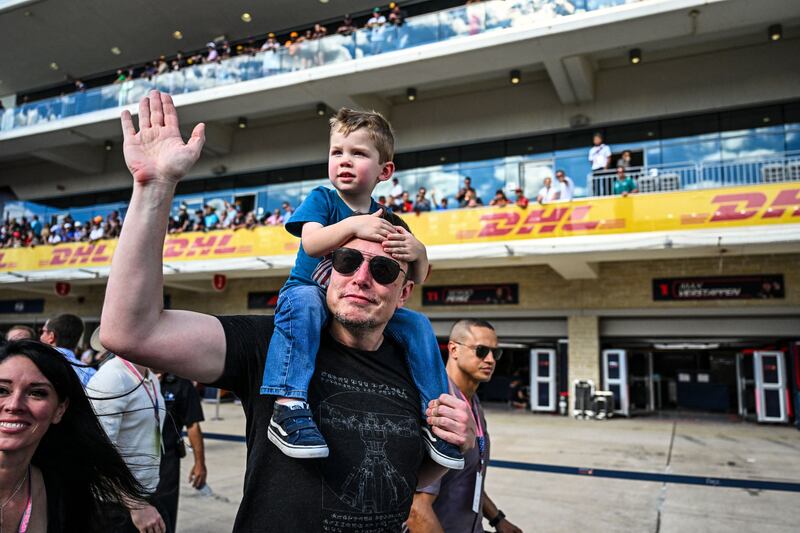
x,y
482,351
346,261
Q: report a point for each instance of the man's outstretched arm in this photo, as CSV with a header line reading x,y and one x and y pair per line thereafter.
x,y
134,323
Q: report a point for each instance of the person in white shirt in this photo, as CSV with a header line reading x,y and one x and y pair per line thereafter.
x,y
548,193
128,401
566,186
599,154
396,193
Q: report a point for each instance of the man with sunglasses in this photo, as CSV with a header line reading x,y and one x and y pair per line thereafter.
x,y
457,502
361,394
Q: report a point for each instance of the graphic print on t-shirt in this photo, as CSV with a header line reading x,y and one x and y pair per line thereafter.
x,y
369,491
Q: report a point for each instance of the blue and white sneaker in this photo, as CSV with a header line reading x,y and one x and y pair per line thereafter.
x,y
441,451
293,431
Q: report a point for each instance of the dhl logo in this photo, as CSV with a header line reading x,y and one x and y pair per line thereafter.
x,y
544,221
748,205
95,254
212,245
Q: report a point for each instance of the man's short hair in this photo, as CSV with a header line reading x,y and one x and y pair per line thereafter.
x,y
29,331
466,324
68,330
346,121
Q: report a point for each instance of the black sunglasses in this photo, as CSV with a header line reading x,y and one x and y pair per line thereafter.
x,y
482,351
382,269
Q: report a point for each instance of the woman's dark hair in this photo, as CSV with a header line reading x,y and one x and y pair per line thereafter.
x,y
76,454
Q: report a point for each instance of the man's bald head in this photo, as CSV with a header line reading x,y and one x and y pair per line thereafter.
x,y
462,330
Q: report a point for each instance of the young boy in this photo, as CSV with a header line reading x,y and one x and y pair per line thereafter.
x,y
360,156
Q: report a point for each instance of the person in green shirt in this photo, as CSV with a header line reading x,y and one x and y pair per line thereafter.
x,y
624,185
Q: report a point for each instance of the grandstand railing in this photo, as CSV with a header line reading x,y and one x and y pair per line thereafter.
x,y
423,29
703,175
650,179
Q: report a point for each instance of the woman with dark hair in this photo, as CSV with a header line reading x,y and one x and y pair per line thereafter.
x,y
56,462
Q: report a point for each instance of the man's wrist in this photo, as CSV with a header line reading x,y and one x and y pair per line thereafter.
x,y
497,518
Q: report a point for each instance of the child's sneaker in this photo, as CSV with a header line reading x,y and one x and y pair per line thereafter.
x,y
292,429
441,451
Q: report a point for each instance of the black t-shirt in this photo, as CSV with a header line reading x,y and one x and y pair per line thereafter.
x,y
367,407
183,410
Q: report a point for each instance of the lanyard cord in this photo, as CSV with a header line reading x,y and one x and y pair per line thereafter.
x,y
153,397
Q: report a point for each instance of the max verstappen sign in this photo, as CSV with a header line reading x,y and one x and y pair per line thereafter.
x,y
760,286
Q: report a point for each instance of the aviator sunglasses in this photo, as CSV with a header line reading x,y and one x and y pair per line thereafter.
x,y
482,351
382,269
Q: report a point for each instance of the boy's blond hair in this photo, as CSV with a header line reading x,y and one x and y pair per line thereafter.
x,y
346,121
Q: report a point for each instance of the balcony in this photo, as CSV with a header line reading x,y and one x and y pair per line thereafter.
x,y
570,237
436,27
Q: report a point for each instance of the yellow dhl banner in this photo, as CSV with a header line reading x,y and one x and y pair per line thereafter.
x,y
758,205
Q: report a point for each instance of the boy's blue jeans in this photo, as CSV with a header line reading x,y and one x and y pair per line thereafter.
x,y
301,314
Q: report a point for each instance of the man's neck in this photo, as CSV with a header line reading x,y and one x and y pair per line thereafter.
x,y
367,340
360,203
465,383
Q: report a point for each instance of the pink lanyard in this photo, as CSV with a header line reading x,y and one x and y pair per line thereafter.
x,y
153,397
26,516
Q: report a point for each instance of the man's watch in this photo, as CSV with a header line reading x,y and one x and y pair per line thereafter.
x,y
497,519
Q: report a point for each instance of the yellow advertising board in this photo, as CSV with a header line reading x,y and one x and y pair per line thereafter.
x,y
758,205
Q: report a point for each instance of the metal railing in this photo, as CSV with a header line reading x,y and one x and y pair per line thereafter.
x,y
415,31
702,175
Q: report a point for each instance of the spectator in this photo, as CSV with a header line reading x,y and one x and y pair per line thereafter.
x,y
500,199
347,27
319,32
396,15
113,225
80,86
566,186
442,205
422,203
185,411
460,197
229,215
471,199
522,200
451,503
198,224
55,235
624,185
599,155
212,54
128,401
36,226
63,333
376,20
396,193
275,219
271,44
19,333
183,221
250,221
382,200
210,218
547,193
287,210
406,206
625,160
60,455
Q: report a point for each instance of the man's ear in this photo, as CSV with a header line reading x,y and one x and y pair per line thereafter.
x,y
451,350
387,171
405,293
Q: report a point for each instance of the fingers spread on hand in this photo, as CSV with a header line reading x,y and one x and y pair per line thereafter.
x,y
156,110
144,113
127,124
197,139
170,114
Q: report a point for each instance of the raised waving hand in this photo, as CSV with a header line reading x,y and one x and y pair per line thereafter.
x,y
157,152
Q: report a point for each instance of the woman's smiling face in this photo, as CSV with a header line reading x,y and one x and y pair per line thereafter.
x,y
28,404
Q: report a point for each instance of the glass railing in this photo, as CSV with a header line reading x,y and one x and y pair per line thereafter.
x,y
440,26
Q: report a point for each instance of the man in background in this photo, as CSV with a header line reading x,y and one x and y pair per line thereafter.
x,y
63,333
457,502
19,332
